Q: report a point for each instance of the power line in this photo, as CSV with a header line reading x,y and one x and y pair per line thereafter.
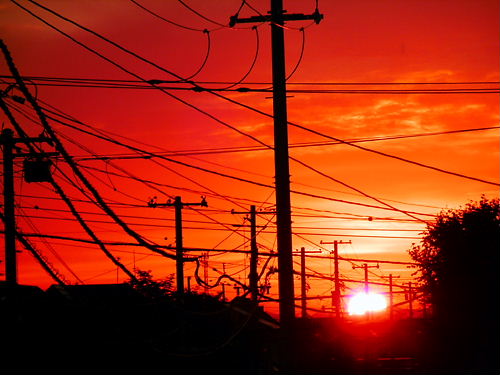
x,y
160,84
60,148
243,105
59,190
262,83
227,175
165,19
203,16
252,65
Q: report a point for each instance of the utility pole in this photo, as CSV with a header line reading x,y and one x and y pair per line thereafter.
x,y
178,204
303,280
410,300
337,294
366,266
303,283
223,291
8,199
34,172
253,274
205,270
277,18
391,295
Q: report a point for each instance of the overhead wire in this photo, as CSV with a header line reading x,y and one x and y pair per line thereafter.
x,y
218,173
258,111
238,103
205,17
129,82
47,244
155,14
252,65
204,31
268,90
53,183
54,274
183,101
360,147
205,60
60,148
299,61
141,180
230,176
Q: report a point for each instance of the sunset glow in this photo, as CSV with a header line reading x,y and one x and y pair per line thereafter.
x,y
393,116
362,302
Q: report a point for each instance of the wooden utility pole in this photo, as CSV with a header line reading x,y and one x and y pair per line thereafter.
x,y
366,266
34,172
178,204
253,275
410,300
303,282
8,204
337,295
277,18
391,295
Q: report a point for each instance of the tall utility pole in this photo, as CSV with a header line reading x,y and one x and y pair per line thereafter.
x,y
34,172
391,295
277,18
303,280
253,275
366,266
8,199
410,300
336,295
303,283
178,204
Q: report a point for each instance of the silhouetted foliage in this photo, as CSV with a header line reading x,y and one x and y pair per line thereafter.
x,y
459,261
150,288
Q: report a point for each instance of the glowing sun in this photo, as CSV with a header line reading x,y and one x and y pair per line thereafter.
x,y
362,303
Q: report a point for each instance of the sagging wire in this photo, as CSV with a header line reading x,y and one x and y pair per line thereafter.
x,y
60,148
252,65
218,95
300,56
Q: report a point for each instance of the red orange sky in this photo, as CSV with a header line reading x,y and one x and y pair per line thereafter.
x,y
431,42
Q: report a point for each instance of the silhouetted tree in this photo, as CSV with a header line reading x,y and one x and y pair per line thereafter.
x,y
459,266
150,288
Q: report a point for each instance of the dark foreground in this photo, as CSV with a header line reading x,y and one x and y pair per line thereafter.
x,y
113,329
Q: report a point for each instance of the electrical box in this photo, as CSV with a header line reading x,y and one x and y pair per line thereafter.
x,y
37,170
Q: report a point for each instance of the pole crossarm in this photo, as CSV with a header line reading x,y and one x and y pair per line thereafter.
x,y
179,247
175,203
391,293
277,17
365,266
336,294
316,16
8,143
253,276
336,242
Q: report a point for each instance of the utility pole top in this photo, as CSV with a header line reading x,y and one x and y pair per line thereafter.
x,y
178,204
32,174
336,242
366,266
316,16
336,293
277,18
